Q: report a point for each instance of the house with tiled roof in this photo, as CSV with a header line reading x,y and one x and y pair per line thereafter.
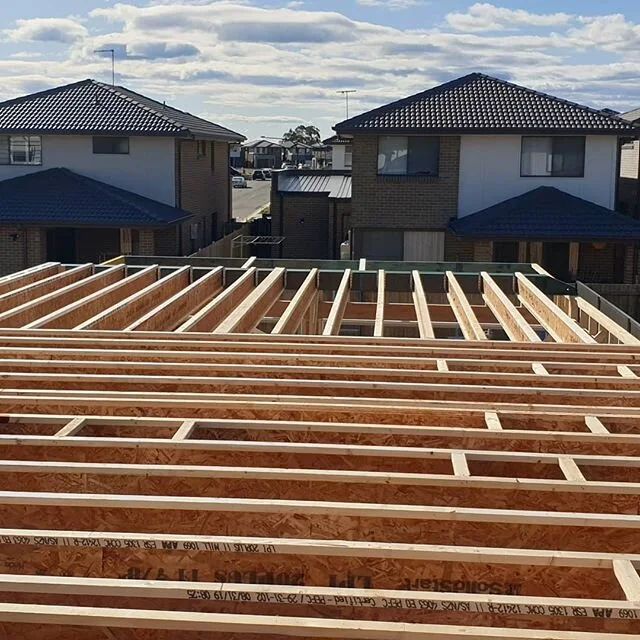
x,y
483,169
89,171
341,152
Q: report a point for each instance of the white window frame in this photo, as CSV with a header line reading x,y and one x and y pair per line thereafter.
x,y
27,152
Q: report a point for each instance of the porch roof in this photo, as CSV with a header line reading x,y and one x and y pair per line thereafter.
x,y
60,197
547,213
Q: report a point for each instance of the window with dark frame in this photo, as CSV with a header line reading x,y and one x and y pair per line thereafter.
x,y
110,145
201,148
552,156
20,150
213,156
408,155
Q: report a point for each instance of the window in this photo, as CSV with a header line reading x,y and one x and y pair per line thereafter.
x,y
552,156
213,156
348,155
21,150
408,156
110,145
201,148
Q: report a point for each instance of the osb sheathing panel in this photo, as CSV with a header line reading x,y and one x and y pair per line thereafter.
x,y
295,525
310,611
326,491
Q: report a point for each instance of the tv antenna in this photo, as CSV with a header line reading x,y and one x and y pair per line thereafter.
x,y
345,93
113,63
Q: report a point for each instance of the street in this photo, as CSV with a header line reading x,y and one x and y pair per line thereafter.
x,y
249,200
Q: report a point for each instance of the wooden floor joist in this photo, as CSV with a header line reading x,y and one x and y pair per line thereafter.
x,y
205,450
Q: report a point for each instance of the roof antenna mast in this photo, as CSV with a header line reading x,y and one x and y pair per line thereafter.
x,y
113,63
345,93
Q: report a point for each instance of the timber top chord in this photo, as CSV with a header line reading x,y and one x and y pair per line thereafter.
x,y
238,451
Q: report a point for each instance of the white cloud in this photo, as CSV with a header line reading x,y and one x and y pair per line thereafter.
x,y
612,33
390,4
483,16
264,69
63,30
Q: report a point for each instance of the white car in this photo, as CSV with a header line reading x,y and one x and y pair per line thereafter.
x,y
238,182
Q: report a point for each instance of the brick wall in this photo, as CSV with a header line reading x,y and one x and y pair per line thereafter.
x,y
404,202
457,249
166,241
13,255
36,246
596,265
483,251
204,189
305,225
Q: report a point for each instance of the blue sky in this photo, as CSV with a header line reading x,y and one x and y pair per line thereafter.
x,y
262,66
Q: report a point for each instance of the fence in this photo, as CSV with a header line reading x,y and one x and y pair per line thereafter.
x,y
624,296
222,248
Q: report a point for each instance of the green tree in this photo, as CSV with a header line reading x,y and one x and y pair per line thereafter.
x,y
307,134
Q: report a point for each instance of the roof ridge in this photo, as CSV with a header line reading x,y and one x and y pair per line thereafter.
x,y
422,94
115,90
479,83
44,92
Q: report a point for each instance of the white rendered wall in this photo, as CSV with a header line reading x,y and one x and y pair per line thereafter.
x,y
490,172
148,169
338,157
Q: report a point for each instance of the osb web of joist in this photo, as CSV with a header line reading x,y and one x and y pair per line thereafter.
x,y
213,482
309,302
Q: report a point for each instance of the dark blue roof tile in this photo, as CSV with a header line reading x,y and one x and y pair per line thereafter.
x,y
477,103
59,197
547,213
91,107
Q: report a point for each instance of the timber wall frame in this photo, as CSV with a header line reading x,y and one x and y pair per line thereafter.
x,y
200,452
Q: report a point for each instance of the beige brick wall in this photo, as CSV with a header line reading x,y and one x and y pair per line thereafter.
x,y
203,188
483,251
404,202
457,249
630,159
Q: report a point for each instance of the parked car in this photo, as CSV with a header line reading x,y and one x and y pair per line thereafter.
x,y
288,165
258,174
267,173
238,182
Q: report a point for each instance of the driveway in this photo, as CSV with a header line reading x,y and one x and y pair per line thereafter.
x,y
248,201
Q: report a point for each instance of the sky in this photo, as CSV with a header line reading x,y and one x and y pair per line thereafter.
x,y
261,67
